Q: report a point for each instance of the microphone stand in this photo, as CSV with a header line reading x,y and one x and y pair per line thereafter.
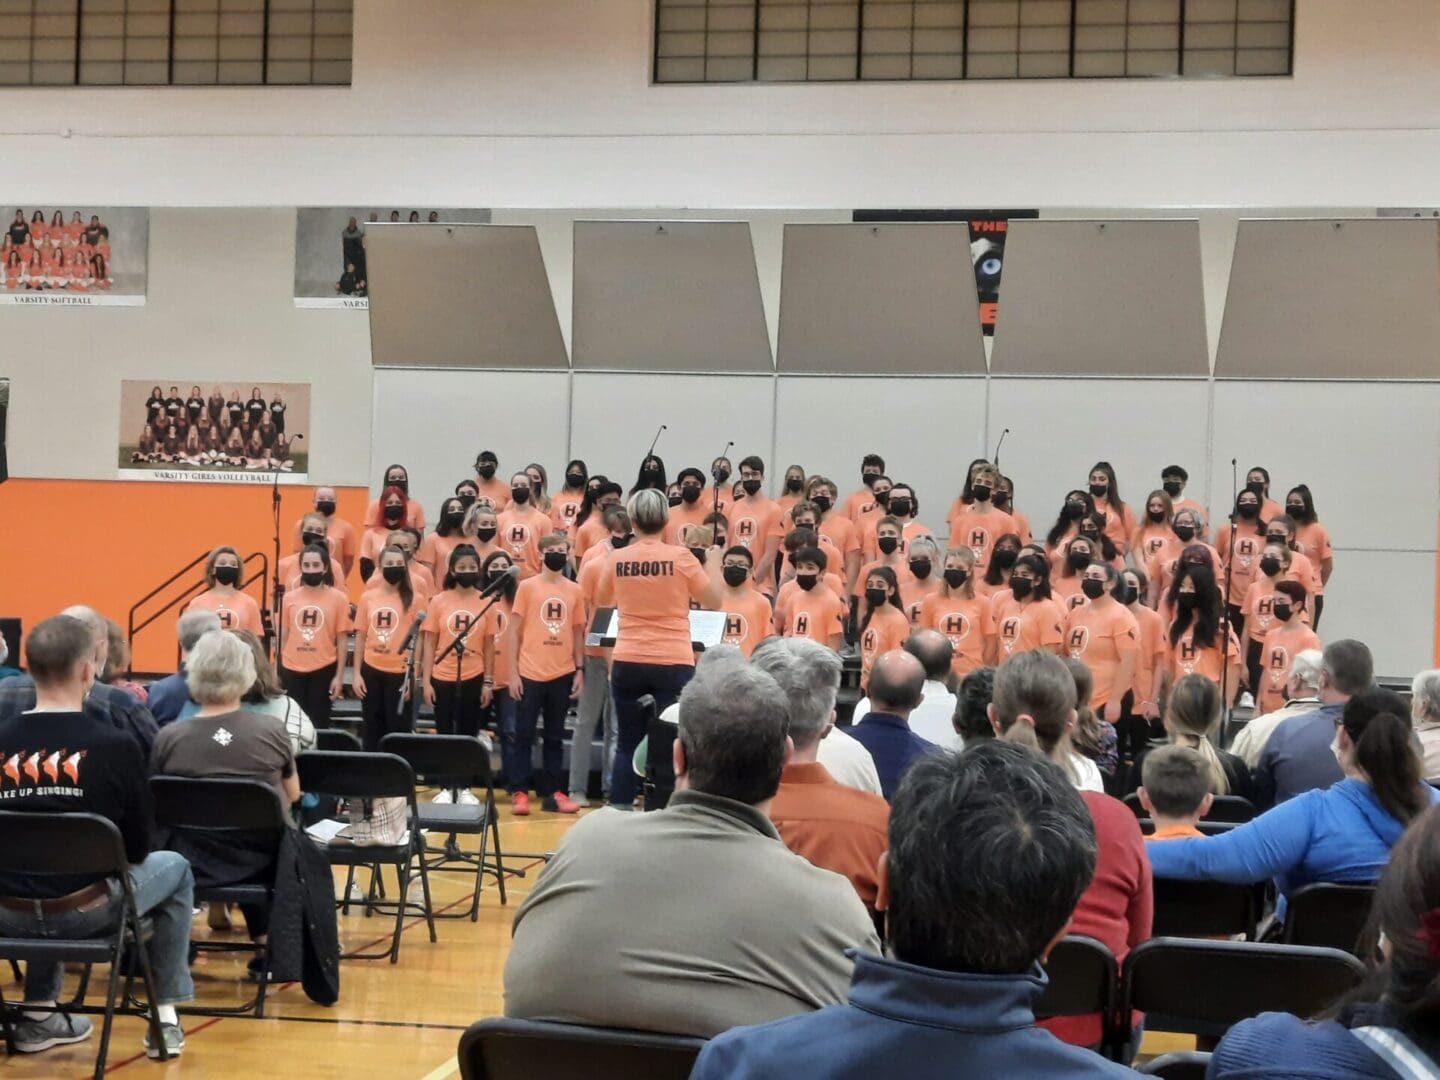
x,y
1225,602
277,621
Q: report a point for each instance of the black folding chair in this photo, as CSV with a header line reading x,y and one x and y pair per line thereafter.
x,y
1329,915
1084,976
1204,987
1206,908
337,739
362,776
1181,1065
505,1049
463,761
1231,809
83,844
212,808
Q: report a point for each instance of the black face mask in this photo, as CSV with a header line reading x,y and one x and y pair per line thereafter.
x,y
453,518
673,500
823,503
1172,488
485,535
1156,516
1270,566
920,568
1001,499
650,476
690,494
981,493
393,575
900,507
1249,511
575,480
496,575
313,577
1004,557
1092,588
1188,601
751,486
326,507
807,581
227,575
810,526
1020,588
1278,541
882,498
1283,612
466,500
699,554
618,542
466,579
394,513
888,544
1295,510
1255,487
735,576
721,475
1072,511
1186,533
794,483
520,495
1099,491
875,597
311,539
403,485
1126,594
555,560
1092,536
1078,560
869,478
956,577
486,469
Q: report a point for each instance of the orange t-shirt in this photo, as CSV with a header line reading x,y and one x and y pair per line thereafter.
x,y
589,579
1020,628
1303,571
752,521
521,528
1153,537
1152,652
652,583
1101,637
888,628
316,621
789,588
548,613
720,505
842,533
1277,656
1185,659
496,490
916,591
592,532
1163,567
786,500
563,509
238,611
381,617
901,566
421,583
965,621
434,552
870,542
1119,524
818,614
449,616
375,517
339,537
685,514
857,501
1022,525
1191,504
1246,562
747,619
978,531
1314,541
1065,591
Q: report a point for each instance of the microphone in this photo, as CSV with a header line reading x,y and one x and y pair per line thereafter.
x,y
500,583
999,445
655,440
414,630
297,435
723,453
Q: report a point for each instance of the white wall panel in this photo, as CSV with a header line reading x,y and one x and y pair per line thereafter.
x,y
1387,600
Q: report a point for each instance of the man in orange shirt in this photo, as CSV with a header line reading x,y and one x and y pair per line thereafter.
x,y
522,525
814,611
747,612
872,466
890,551
486,465
1173,479
1175,791
836,526
753,519
692,509
904,508
547,638
834,827
979,524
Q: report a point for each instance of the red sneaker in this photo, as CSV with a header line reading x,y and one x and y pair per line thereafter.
x,y
561,803
520,804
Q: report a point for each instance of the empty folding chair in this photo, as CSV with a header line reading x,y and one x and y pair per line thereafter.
x,y
1328,914
337,739
505,1049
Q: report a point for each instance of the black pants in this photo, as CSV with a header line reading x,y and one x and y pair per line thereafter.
x,y
1132,736
1317,605
457,706
311,690
546,702
1237,621
629,682
1253,651
381,709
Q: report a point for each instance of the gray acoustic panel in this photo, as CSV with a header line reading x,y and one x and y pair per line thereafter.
x,y
1356,299
461,296
1102,298
879,299
676,296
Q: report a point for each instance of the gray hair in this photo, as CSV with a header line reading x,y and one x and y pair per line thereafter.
x,y
194,625
220,669
733,725
649,510
99,631
1306,668
1426,693
809,673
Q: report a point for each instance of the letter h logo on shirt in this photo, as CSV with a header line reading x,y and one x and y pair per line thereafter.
x,y
553,616
308,622
734,627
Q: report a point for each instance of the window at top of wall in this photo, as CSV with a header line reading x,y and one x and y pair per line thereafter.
x,y
175,42
705,41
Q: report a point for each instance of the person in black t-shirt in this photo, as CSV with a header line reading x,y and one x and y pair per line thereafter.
x,y
234,408
277,414
174,405
215,406
194,405
154,407
255,408
19,231
58,759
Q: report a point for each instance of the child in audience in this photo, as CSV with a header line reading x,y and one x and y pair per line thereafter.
x,y
1175,791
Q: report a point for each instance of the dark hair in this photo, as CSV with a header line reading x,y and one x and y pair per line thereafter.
x,y
460,551
1294,590
1239,522
691,472
1384,749
443,529
933,650
971,720
990,851
994,572
385,476
734,719
640,482
740,549
1108,551
55,647
1112,497
1065,569
1206,613
324,552
404,587
1175,470
893,600
1350,666
1062,523
1176,780
1308,515
812,555
914,500
512,584
584,469
870,460
592,496
1041,567
966,495
1263,472
752,462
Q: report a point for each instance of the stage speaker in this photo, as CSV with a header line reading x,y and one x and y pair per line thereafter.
x,y
4,408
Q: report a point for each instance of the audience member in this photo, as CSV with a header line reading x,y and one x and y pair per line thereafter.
x,y
117,664
835,827
1175,791
171,694
103,703
989,852
693,919
1425,715
1034,706
1297,755
1303,694
59,759
266,695
972,706
1192,718
1340,833
1095,742
933,718
896,683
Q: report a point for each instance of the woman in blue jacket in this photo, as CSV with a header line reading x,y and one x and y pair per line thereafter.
x,y
1343,833
1389,1027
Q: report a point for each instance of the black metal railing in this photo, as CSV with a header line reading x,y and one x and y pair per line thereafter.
x,y
191,588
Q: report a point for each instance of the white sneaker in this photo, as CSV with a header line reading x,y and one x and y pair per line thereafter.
x,y
1247,700
467,798
356,895
443,798
580,799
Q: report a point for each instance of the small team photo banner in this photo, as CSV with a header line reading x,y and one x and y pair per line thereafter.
x,y
214,432
330,269
67,256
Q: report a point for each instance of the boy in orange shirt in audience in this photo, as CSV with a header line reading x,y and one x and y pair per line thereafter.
x,y
1175,791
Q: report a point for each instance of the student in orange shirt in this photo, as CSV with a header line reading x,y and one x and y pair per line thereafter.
x,y
1243,562
1067,574
960,613
1004,499
835,525
312,532
1154,532
904,507
692,508
457,685
1150,659
315,623
977,521
753,519
539,487
378,516
1187,526
891,552
479,529
420,579
813,610
1077,506
717,498
223,596
547,638
382,623
434,553
796,541
923,562
747,612
1281,531
1198,642
566,504
883,622
967,494
871,467
1282,644
486,465
1119,518
590,528
869,513
1259,608
1002,560
1026,617
391,511
496,570
1313,540
468,492
1105,637
794,490
339,533
1173,479
651,475
522,525
1257,481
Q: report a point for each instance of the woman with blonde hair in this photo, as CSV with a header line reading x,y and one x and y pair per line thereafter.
x,y
956,610
1192,718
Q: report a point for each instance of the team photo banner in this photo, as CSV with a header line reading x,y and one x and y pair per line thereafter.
x,y
67,256
212,432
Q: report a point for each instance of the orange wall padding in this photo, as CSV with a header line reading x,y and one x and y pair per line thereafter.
x,y
108,543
